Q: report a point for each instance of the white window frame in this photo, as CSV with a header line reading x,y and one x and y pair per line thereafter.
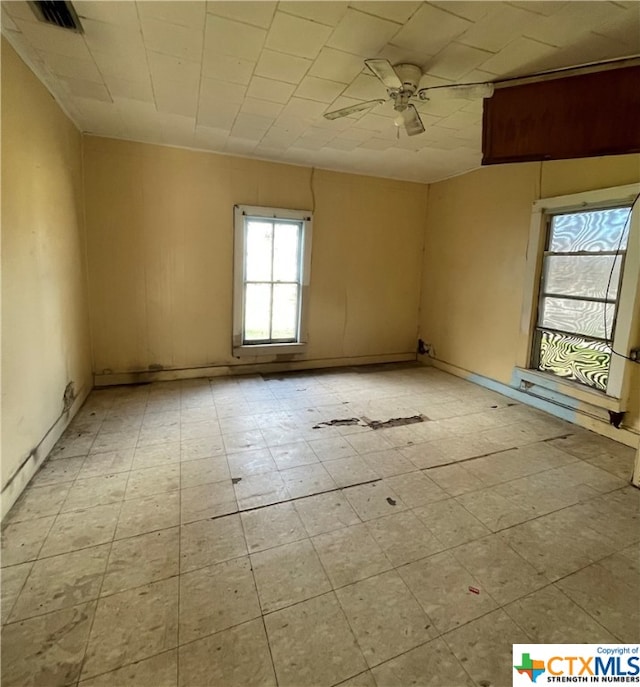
x,y
241,213
618,384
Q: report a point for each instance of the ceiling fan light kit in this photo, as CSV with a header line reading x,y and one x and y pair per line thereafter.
x,y
402,82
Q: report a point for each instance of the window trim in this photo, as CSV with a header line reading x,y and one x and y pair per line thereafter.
x,y
617,393
239,347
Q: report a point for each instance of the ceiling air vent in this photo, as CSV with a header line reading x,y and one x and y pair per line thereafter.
x,y
59,13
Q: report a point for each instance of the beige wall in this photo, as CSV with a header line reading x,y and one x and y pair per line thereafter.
x,y
160,255
45,333
475,254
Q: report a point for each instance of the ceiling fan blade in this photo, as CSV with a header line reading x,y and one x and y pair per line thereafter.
x,y
385,72
412,122
468,91
346,111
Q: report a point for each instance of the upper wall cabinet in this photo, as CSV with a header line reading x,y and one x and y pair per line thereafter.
x,y
571,117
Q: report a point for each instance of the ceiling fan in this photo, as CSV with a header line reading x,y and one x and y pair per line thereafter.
x,y
402,83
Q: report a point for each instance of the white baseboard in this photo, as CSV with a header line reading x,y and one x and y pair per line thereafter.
x,y
19,480
167,375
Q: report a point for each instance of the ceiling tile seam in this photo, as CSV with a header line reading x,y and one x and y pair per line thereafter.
x,y
146,59
201,79
282,8
240,21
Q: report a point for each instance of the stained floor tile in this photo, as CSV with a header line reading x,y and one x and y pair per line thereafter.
x,y
312,644
176,536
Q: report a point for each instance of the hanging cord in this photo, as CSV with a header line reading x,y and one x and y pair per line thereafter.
x,y
627,223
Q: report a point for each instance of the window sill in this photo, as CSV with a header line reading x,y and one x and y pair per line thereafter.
x,y
550,383
267,350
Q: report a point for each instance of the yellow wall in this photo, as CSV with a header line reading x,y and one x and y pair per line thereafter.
x,y
160,255
45,333
475,256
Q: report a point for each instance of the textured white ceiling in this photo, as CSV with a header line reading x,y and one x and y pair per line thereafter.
x,y
254,78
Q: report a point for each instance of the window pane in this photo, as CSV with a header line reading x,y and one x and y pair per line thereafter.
x,y
579,317
258,251
582,275
286,264
257,309
575,358
285,311
589,231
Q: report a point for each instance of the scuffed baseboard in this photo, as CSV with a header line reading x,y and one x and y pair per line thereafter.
x,y
19,480
576,416
167,375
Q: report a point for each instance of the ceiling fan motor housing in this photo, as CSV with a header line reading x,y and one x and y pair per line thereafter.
x,y
410,76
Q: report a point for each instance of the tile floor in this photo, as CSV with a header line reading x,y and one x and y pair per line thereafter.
x,y
206,533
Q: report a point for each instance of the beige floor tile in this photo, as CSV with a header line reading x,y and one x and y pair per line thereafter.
x,y
494,510
38,502
364,679
260,490
385,617
388,463
156,454
549,617
114,441
249,440
430,665
349,471
374,500
163,434
96,491
558,544
31,659
403,537
237,657
62,581
207,501
242,423
293,455
194,473
132,625
206,542
312,643
57,471
150,481
368,442
350,554
288,574
198,430
107,463
230,594
251,463
332,448
513,578
454,479
325,512
157,671
22,541
416,489
484,647
271,526
140,560
148,514
442,586
205,447
609,591
12,579
81,529
450,523
307,480
423,455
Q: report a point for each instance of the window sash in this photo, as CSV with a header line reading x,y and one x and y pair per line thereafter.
x,y
272,282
